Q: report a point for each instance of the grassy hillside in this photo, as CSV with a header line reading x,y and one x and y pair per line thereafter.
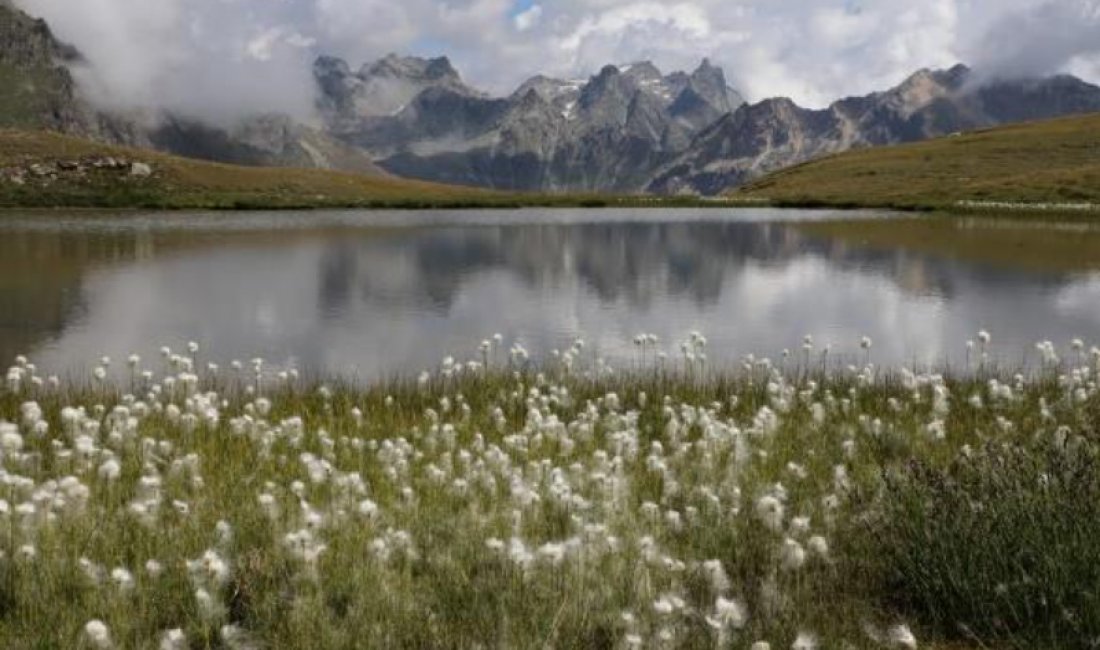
x,y
40,169
37,170
1051,162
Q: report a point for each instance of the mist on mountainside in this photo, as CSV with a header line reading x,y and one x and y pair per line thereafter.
x,y
218,61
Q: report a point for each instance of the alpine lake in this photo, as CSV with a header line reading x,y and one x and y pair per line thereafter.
x,y
369,295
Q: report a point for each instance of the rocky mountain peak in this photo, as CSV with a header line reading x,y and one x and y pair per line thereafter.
x,y
709,76
607,73
920,90
550,89
956,75
379,88
709,83
331,67
950,79
609,88
412,68
641,72
707,70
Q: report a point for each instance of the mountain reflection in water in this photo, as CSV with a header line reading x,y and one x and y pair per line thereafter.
x,y
358,297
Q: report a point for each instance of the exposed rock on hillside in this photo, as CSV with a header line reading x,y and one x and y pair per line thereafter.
x,y
36,89
44,173
606,133
776,133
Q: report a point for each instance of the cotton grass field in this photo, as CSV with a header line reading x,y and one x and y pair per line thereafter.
x,y
560,503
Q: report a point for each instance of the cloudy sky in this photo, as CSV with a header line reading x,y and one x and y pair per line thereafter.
x,y
223,56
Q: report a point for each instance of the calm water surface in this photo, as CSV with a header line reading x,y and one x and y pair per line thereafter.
x,y
370,294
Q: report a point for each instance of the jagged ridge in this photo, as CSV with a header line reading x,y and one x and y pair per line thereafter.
x,y
776,133
606,133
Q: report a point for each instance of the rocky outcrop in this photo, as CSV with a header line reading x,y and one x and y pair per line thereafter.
x,y
36,88
45,173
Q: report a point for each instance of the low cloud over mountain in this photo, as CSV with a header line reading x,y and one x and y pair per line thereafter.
x,y
226,81
216,59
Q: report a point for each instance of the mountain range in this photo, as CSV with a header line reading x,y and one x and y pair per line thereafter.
x,y
608,133
628,128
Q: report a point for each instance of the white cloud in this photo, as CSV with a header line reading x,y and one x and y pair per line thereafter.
x,y
1052,35
209,58
239,55
527,19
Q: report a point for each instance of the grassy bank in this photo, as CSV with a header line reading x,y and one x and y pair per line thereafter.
x,y
557,505
40,169
1051,166
1011,243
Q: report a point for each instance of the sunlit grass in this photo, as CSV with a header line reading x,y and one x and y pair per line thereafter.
x,y
506,503
182,183
1050,162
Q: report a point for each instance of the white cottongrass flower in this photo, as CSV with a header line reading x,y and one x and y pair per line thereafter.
x,y
211,567
800,525
173,639
110,470
123,579
770,511
664,606
761,645
805,641
900,636
1048,352
93,571
97,634
154,568
224,531
793,555
716,575
819,546
234,637
368,510
730,613
210,609
10,440
552,553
